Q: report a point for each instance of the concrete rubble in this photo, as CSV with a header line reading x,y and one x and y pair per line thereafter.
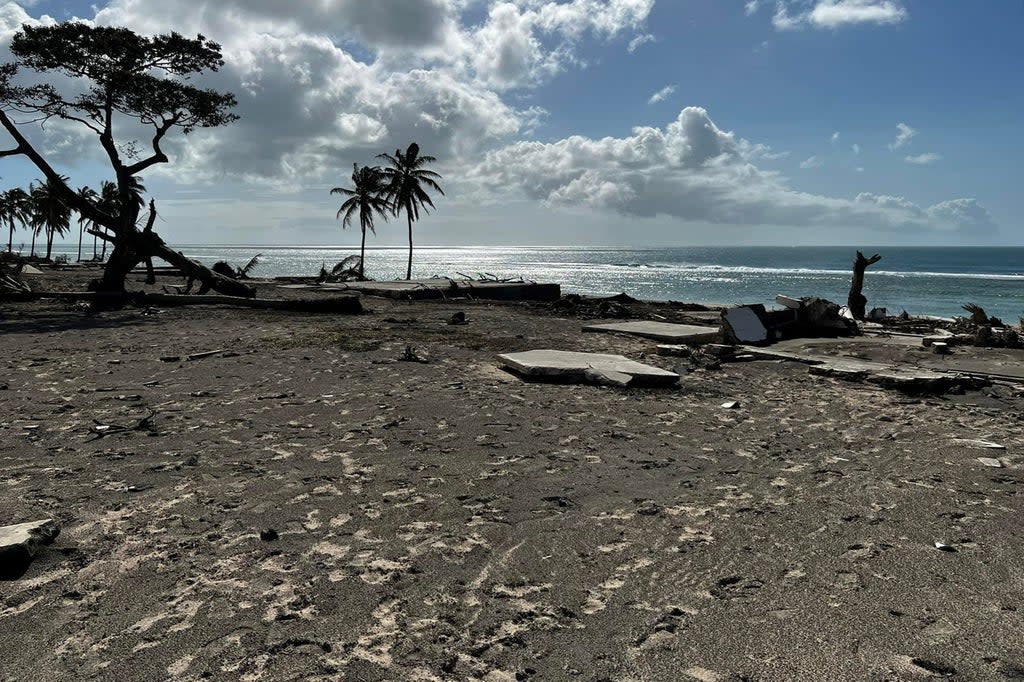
x,y
688,334
571,367
20,543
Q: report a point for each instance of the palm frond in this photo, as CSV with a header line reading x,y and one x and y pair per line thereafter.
x,y
250,266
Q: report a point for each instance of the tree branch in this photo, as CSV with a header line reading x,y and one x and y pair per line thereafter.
x,y
76,202
12,152
158,154
102,235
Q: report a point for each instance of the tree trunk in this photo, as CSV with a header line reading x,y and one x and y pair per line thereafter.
x,y
408,269
122,260
362,256
49,243
10,239
857,302
103,256
32,251
81,232
137,246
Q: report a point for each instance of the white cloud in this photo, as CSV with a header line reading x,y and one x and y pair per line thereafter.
x,y
811,162
662,95
694,171
923,159
639,41
833,14
835,137
855,148
310,104
903,137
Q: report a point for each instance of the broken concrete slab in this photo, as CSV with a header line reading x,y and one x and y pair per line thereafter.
x,y
788,302
745,324
983,444
573,367
30,270
19,544
907,379
660,331
443,288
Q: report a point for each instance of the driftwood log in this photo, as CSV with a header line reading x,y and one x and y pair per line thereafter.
x,y
857,302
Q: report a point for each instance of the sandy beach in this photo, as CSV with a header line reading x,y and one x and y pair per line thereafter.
x,y
447,521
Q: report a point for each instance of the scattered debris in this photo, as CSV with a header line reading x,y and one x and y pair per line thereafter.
x,y
571,367
410,355
458,318
20,543
991,462
100,429
942,547
730,405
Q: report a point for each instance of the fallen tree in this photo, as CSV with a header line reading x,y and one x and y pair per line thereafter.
x,y
128,80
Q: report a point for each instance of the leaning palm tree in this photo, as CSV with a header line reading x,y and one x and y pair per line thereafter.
x,y
14,208
50,213
89,195
406,178
366,198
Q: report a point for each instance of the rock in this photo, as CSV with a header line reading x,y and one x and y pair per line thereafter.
x,y
940,348
268,535
19,544
730,405
458,318
991,462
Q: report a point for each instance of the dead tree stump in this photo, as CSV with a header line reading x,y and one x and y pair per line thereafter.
x,y
857,302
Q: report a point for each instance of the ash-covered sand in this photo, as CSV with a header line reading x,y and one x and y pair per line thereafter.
x,y
446,521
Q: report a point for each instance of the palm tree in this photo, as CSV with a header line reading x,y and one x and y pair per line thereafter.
x,y
14,208
89,195
110,203
49,212
366,197
406,178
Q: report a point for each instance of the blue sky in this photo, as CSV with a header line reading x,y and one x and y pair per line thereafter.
x,y
776,123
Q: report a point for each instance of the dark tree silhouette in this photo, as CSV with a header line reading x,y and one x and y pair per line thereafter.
x,y
857,302
15,207
406,178
366,197
132,80
89,195
51,215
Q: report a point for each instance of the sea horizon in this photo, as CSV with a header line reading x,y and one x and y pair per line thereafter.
x,y
925,280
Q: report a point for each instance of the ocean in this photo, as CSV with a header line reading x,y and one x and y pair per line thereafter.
x,y
920,280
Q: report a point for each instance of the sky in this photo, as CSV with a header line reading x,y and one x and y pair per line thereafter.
x,y
589,122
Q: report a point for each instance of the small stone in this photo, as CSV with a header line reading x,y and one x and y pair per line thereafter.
x,y
458,318
943,547
991,462
730,405
268,535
